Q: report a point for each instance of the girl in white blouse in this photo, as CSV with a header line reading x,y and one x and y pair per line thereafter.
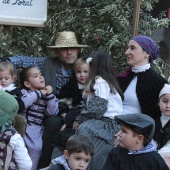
x,y
104,101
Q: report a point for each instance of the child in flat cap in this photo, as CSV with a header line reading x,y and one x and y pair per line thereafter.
x,y
135,150
13,153
162,132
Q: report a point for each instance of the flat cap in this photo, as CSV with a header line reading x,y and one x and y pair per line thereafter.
x,y
141,123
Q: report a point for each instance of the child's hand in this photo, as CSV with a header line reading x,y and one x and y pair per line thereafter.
x,y
117,140
84,94
49,89
44,91
63,127
63,115
75,125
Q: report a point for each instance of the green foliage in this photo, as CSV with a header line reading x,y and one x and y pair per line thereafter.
x,y
102,24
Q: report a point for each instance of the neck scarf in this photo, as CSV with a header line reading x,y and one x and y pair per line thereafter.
x,y
62,161
148,148
137,69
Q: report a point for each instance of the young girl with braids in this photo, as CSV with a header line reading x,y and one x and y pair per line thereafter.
x,y
39,102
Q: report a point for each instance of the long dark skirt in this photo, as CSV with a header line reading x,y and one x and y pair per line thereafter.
x,y
101,132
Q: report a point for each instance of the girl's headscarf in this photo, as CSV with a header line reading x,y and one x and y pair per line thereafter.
x,y
8,110
149,45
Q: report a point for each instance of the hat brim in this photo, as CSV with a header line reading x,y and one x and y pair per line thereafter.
x,y
74,46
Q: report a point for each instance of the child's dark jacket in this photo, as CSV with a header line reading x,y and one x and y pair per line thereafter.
x,y
71,90
119,159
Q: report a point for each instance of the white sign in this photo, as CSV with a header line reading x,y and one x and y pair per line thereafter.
x,y
23,12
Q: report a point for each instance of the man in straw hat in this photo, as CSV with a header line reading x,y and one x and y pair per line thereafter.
x,y
57,71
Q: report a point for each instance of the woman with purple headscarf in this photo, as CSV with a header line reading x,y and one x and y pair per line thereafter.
x,y
141,85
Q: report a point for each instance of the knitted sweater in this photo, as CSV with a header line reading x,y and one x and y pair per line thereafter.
x,y
149,84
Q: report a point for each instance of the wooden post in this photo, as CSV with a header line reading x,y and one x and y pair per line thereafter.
x,y
136,17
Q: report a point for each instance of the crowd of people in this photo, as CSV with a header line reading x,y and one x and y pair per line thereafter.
x,y
70,112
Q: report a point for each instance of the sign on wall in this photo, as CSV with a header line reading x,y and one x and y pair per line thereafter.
x,y
23,12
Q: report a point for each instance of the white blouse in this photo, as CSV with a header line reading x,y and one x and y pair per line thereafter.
x,y
102,89
21,156
131,103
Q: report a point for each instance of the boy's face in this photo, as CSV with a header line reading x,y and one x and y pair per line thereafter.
x,y
6,78
164,104
82,73
127,138
77,161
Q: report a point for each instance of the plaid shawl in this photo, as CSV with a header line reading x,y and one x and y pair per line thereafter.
x,y
95,108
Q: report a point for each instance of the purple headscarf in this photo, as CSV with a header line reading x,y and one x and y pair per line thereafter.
x,y
149,45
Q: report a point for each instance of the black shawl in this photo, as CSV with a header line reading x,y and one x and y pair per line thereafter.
x,y
149,85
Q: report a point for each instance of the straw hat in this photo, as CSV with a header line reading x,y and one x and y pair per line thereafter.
x,y
66,39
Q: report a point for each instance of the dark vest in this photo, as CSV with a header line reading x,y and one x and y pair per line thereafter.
x,y
148,87
162,135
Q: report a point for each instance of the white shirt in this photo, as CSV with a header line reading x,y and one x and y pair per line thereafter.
x,y
21,156
131,103
102,89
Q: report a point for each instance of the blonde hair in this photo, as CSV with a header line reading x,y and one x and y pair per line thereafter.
x,y
79,63
4,65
